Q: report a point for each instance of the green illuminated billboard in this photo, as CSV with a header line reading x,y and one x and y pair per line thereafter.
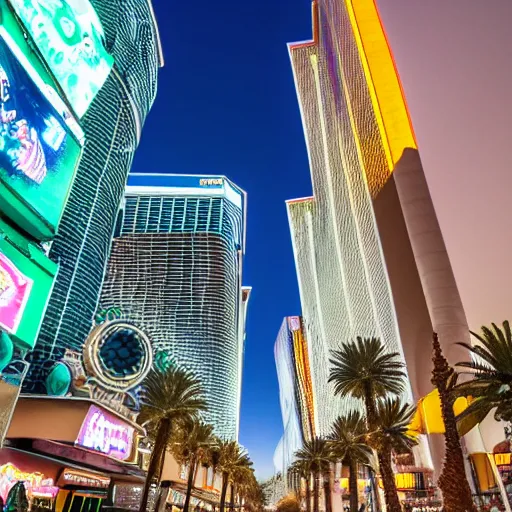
x,y
69,35
26,281
40,141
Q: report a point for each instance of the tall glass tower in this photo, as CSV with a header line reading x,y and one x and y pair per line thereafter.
x,y
112,124
295,391
175,272
370,256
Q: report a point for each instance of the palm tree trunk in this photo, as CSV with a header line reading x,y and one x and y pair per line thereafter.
x,y
232,506
308,494
190,483
388,480
157,459
369,405
452,481
352,486
316,492
327,492
224,490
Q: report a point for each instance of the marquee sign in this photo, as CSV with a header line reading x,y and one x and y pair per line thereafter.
x,y
103,432
83,479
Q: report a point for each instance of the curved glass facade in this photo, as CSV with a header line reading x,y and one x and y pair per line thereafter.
x,y
175,272
112,125
296,402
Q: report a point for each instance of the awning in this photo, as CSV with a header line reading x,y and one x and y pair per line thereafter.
x,y
213,498
429,418
76,429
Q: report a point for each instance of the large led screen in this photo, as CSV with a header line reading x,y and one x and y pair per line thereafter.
x,y
38,153
70,37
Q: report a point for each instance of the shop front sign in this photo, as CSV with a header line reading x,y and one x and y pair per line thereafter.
x,y
83,479
103,432
15,290
34,482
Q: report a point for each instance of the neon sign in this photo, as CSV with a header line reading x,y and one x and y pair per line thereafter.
x,y
34,482
14,293
72,477
104,433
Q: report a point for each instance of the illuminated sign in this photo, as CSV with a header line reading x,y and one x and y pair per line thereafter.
x,y
206,182
502,459
14,293
81,478
103,432
35,483
38,153
70,37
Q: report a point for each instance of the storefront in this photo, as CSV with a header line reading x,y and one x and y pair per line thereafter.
x,y
72,455
50,486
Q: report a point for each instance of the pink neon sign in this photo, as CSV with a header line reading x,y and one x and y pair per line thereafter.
x,y
103,432
14,293
35,483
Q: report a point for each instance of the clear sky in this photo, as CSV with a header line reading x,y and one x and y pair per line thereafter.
x,y
227,105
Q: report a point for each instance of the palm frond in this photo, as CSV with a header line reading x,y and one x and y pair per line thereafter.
x,y
348,438
316,453
366,363
173,393
393,428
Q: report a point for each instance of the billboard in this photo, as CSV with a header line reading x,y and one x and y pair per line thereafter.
x,y
40,142
69,35
26,281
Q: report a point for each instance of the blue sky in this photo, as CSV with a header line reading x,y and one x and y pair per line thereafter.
x,y
227,105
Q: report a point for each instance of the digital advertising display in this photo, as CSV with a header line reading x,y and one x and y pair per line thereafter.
x,y
26,281
69,35
40,144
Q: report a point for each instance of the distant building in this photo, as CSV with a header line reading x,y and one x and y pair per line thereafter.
x,y
295,391
175,272
369,252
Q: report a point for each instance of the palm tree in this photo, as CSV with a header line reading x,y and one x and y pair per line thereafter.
x,y
452,481
167,396
241,484
231,457
349,443
363,369
302,470
491,385
318,456
190,447
254,499
392,435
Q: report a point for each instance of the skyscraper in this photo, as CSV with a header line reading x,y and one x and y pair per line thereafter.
x,y
112,123
370,256
175,272
295,391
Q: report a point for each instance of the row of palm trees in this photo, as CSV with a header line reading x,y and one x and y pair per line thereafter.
x,y
365,371
171,410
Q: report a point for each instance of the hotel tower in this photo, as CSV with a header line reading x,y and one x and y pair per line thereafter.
x,y
368,248
175,272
